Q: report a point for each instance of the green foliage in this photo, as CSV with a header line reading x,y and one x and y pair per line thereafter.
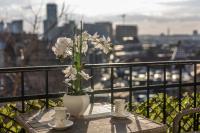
x,y
7,122
9,111
172,108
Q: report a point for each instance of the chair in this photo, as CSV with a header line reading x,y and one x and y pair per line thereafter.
x,y
179,116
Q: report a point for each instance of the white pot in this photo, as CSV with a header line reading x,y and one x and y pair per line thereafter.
x,y
76,105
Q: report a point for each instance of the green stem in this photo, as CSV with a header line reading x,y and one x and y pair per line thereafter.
x,y
77,64
81,41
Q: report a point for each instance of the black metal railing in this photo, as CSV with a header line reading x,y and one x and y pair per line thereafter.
x,y
148,87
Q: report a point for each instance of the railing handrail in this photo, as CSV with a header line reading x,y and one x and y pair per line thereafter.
x,y
144,63
53,67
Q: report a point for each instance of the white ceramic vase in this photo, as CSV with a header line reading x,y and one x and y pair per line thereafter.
x,y
76,105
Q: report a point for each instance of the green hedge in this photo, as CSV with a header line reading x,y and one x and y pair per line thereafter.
x,y
156,109
9,111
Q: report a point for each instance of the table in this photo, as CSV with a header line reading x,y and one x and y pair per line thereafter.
x,y
96,119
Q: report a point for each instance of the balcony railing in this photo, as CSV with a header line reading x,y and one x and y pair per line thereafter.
x,y
148,87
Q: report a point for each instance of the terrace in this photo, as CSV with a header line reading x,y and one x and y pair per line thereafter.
x,y
156,90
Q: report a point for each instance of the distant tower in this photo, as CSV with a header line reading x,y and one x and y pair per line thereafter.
x,y
1,26
195,33
50,24
52,12
2,50
168,31
168,34
66,17
123,18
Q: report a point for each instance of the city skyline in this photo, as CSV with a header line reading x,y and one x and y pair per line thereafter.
x,y
152,17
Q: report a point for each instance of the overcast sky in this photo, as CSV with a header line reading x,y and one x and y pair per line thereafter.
x,y
152,16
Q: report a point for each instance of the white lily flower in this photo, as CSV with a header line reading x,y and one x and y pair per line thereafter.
x,y
84,47
101,43
63,47
94,39
85,36
95,36
63,40
104,39
84,75
107,47
108,39
67,81
70,72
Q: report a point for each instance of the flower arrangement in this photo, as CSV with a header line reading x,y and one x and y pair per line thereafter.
x,y
74,48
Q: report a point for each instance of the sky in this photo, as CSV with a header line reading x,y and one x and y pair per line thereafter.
x,y
151,16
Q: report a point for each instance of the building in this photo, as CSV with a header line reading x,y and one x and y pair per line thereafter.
x,y
179,53
50,30
2,49
52,12
102,28
171,39
67,29
195,32
15,27
50,24
126,33
1,26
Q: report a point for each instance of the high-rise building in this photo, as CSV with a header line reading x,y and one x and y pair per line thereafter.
x,y
102,28
105,28
67,29
52,12
2,51
1,26
89,27
126,33
15,26
50,24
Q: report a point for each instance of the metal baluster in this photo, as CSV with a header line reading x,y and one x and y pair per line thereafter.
x,y
47,88
195,96
111,85
180,92
130,88
164,95
180,88
197,122
148,91
22,92
92,84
